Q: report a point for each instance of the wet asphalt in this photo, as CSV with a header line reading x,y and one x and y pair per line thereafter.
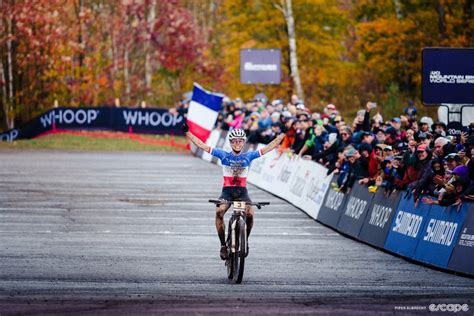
x,y
132,233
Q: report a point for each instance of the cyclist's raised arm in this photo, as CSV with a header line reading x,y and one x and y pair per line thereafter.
x,y
198,142
194,139
273,144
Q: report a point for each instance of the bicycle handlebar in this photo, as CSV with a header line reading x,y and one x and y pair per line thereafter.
x,y
257,204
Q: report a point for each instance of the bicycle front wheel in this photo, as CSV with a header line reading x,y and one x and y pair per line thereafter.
x,y
239,255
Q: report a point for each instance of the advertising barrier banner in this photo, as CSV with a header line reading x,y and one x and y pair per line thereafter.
x,y
333,205
440,234
462,258
429,234
407,226
379,218
355,211
153,121
303,183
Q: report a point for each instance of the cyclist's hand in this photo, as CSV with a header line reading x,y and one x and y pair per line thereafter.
x,y
185,127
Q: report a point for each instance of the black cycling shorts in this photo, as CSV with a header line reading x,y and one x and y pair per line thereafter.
x,y
235,194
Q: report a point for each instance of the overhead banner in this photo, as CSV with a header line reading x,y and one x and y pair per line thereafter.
x,y
260,66
355,211
379,218
440,234
333,205
462,258
407,227
447,76
152,121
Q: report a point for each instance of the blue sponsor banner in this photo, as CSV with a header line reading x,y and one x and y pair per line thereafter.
x,y
379,218
440,234
407,226
355,211
333,205
462,258
153,121
447,76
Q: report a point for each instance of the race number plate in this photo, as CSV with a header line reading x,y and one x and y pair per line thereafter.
x,y
239,205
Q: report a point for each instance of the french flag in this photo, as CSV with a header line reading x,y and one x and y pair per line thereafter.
x,y
202,112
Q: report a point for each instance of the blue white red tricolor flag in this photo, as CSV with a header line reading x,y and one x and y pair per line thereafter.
x,y
202,112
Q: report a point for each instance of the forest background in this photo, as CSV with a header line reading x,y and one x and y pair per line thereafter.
x,y
99,52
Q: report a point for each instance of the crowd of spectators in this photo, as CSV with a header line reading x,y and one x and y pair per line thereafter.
x,y
405,153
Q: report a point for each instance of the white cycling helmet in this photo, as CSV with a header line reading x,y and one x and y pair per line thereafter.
x,y
237,133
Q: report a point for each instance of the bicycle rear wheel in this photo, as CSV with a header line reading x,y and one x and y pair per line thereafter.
x,y
239,255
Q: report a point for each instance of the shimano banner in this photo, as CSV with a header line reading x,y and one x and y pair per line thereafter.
x,y
333,205
355,212
380,216
462,257
407,227
260,66
440,234
447,76
153,121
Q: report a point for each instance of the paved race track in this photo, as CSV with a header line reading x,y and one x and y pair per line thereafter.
x,y
131,233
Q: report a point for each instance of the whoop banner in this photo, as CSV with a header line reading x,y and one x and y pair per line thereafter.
x,y
203,110
355,212
152,121
333,205
380,216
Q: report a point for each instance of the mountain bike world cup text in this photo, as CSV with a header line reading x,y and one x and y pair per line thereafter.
x,y
466,240
437,77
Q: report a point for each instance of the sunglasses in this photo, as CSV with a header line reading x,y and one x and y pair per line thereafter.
x,y
344,134
420,152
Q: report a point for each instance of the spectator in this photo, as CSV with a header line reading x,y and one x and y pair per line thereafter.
x,y
395,154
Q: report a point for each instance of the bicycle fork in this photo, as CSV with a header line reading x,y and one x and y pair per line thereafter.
x,y
234,224
234,235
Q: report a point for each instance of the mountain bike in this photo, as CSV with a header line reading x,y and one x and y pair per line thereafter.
x,y
236,241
